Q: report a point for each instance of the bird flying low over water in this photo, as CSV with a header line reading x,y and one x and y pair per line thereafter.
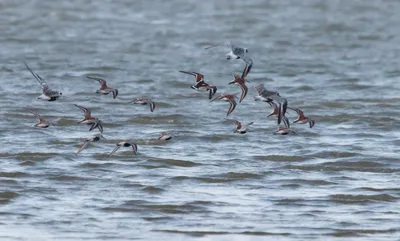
x,y
47,93
164,137
269,96
93,138
201,84
89,119
302,119
229,98
42,123
275,111
285,129
242,84
144,101
240,128
238,53
125,144
104,89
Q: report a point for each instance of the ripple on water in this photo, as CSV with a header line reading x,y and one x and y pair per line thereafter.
x,y
173,162
6,197
362,199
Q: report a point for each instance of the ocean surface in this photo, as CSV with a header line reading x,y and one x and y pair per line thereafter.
x,y
338,61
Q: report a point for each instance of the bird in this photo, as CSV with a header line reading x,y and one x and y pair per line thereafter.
x,y
144,101
201,84
230,98
241,129
199,77
89,119
125,144
268,96
241,82
275,111
94,138
164,137
42,123
285,130
238,53
302,119
104,89
47,93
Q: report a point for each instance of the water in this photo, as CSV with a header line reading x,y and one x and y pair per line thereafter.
x,y
338,61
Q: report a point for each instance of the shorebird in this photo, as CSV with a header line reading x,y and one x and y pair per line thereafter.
x,y
201,84
241,129
241,82
285,130
212,89
93,138
144,101
42,123
275,111
164,137
125,144
104,89
47,93
268,96
230,98
89,119
302,119
238,53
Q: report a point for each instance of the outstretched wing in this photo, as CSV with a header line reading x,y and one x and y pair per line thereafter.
x,y
134,148
249,64
237,123
115,149
101,81
83,146
199,77
86,111
41,81
232,106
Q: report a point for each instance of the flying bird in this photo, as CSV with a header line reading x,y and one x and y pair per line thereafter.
x,y
42,123
89,119
229,98
93,138
47,93
125,144
104,89
201,84
302,119
144,101
240,128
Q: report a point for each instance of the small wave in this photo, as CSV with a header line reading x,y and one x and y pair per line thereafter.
x,y
6,197
361,232
281,158
172,162
346,198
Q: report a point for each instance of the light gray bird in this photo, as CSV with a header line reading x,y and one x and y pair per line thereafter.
x,y
238,53
47,93
268,96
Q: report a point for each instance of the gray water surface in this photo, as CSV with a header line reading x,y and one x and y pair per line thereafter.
x,y
338,61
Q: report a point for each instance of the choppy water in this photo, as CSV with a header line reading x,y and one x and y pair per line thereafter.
x,y
337,60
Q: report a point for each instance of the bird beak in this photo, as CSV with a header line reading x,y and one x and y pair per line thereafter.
x,y
232,82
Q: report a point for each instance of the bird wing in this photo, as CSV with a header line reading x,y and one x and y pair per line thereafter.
x,y
85,144
115,149
41,81
86,111
101,81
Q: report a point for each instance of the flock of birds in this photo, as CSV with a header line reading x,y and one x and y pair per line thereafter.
x,y
273,98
